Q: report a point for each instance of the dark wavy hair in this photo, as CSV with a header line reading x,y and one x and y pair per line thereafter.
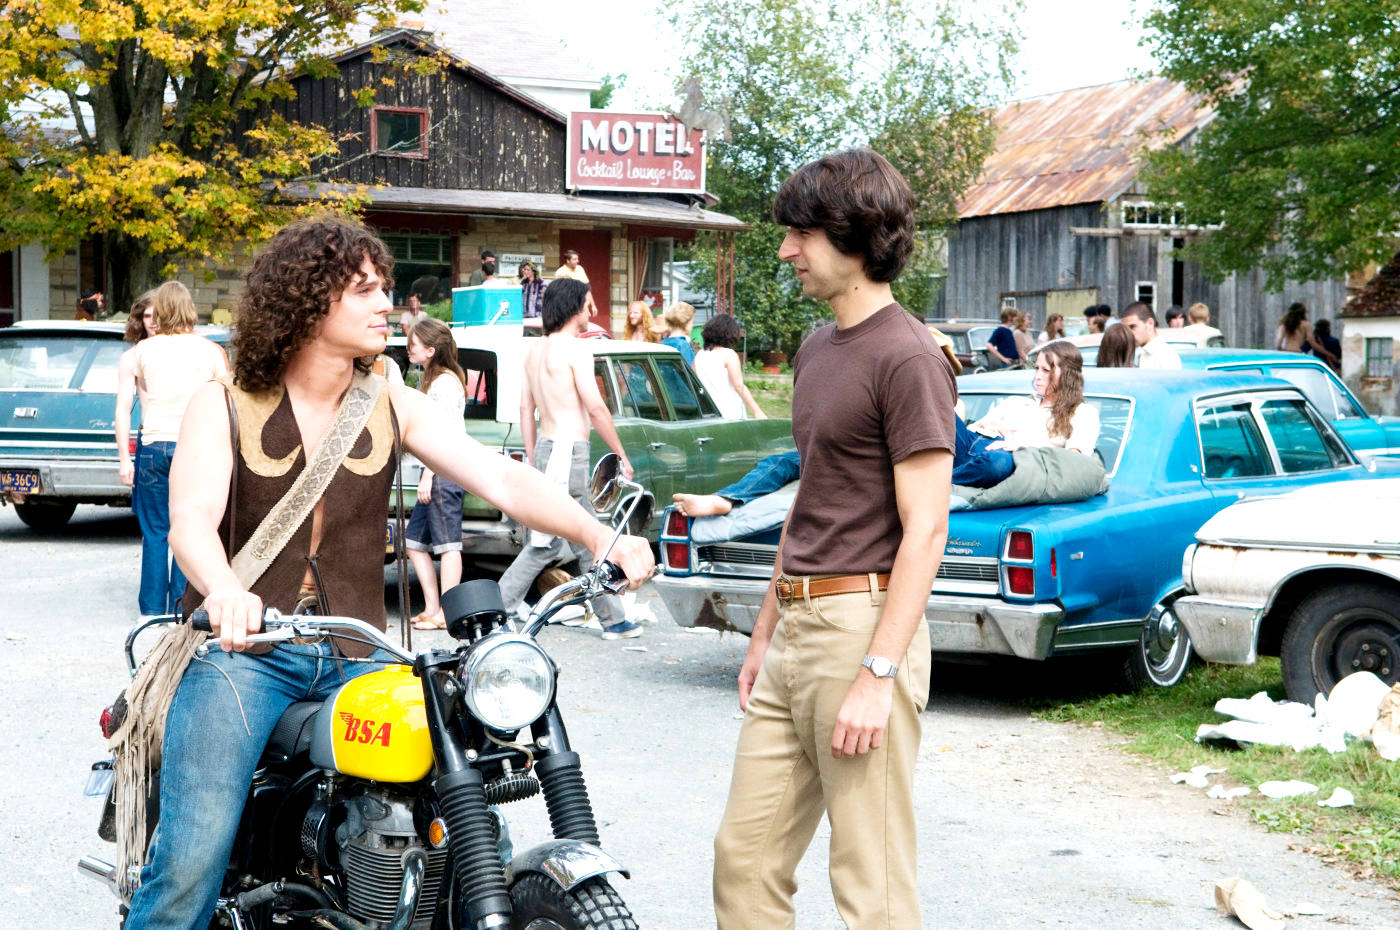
x,y
723,331
860,201
289,291
135,320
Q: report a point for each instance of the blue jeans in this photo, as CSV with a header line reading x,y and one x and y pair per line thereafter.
x,y
224,711
770,474
976,466
162,582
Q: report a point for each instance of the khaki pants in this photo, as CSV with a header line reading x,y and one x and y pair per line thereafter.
x,y
785,777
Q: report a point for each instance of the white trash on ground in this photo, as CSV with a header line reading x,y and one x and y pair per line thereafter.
x,y
1236,896
1286,789
1340,797
1221,793
1352,710
1196,778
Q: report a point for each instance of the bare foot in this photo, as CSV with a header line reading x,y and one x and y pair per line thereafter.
x,y
702,505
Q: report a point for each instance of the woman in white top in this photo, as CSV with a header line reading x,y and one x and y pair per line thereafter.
x,y
166,369
1056,416
717,366
435,526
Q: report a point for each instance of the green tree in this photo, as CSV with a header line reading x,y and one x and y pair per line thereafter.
x,y
145,124
1301,163
600,98
799,79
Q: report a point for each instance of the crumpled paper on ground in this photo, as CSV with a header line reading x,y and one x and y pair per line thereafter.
x,y
1340,797
1221,793
1286,789
1196,778
1385,732
1236,896
1350,710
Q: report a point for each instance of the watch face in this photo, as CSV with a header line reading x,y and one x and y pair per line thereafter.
x,y
881,667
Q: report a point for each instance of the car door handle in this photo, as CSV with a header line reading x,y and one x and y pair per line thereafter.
x,y
657,445
701,440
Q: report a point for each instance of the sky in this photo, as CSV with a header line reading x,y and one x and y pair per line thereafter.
x,y
1065,44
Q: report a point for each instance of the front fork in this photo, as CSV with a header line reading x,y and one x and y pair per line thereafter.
x,y
461,791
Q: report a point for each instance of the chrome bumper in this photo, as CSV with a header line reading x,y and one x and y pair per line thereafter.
x,y
95,480
956,623
1221,631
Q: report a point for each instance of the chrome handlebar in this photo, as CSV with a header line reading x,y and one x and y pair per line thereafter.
x,y
285,628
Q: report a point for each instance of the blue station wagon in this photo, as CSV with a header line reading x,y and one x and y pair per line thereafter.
x,y
1047,580
58,397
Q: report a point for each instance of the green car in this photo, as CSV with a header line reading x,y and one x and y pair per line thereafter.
x,y
671,428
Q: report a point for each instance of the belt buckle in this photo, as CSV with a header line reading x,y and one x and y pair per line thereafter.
x,y
783,587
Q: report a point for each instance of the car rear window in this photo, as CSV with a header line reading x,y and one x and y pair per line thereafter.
x,y
1319,388
1114,416
101,374
45,363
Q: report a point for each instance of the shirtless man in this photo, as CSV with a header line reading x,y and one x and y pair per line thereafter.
x,y
559,385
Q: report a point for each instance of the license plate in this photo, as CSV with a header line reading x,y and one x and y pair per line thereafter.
x,y
389,537
20,481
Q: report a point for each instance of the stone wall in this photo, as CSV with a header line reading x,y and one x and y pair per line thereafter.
x,y
1377,394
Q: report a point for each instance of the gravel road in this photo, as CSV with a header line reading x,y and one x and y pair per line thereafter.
x,y
1021,823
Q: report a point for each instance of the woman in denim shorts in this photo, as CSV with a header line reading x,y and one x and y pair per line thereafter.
x,y
435,526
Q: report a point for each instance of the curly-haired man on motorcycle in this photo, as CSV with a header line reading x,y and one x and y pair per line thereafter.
x,y
313,317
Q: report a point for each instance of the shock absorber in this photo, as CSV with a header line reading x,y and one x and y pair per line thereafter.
x,y
566,797
471,829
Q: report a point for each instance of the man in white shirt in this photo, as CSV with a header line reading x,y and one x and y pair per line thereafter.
x,y
1155,353
571,268
1199,327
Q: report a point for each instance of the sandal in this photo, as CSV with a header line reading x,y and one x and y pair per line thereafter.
x,y
426,621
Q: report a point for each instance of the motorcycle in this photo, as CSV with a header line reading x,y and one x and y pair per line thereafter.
x,y
375,809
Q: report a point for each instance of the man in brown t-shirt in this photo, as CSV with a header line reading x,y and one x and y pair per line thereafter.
x,y
837,669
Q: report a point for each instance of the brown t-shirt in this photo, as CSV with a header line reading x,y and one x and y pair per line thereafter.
x,y
864,398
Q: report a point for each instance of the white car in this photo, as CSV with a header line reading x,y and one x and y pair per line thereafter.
x,y
1312,576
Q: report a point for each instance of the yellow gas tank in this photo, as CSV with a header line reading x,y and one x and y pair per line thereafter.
x,y
375,727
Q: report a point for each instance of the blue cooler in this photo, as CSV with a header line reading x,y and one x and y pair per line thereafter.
x,y
481,306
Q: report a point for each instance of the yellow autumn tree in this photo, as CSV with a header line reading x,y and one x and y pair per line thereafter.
x,y
147,124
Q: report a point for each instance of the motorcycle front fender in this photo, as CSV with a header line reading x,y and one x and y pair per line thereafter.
x,y
565,862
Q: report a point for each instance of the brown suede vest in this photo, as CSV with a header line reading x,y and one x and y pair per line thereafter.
x,y
349,562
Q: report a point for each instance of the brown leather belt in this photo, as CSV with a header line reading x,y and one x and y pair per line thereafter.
x,y
789,589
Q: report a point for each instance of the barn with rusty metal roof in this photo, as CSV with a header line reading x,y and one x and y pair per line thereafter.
x,y
1057,220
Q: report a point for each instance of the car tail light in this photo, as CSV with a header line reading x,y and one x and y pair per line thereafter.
x,y
1020,579
104,723
678,556
675,524
1053,568
517,454
1020,546
131,446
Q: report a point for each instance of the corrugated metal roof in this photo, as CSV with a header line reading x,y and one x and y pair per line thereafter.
x,y
1078,146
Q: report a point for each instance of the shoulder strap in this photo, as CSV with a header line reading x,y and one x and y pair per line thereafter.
x,y
233,478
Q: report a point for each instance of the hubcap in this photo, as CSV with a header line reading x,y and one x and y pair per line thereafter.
x,y
543,923
1162,641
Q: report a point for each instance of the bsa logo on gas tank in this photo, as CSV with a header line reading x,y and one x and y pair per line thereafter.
x,y
360,730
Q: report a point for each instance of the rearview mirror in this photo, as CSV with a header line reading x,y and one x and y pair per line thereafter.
x,y
603,488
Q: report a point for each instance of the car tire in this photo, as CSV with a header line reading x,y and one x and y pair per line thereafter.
x,y
1338,630
1163,653
45,516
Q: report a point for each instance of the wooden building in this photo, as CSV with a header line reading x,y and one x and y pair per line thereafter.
x,y
451,160
1058,219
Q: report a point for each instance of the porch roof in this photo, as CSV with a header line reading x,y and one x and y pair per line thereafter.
x,y
653,211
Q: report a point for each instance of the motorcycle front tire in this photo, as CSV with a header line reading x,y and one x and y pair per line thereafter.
x,y
540,904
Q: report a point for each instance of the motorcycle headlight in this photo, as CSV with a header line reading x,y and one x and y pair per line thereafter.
x,y
509,681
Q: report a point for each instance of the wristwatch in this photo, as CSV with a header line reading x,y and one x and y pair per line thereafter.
x,y
880,667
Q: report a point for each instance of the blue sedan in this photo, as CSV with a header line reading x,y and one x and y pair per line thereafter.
x,y
1047,580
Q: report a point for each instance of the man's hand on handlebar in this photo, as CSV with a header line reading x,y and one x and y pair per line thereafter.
x,y
233,614
633,555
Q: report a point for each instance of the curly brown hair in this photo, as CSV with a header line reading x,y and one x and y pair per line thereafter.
x,y
1068,387
289,291
136,319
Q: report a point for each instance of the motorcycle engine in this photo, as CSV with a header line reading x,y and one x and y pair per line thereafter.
x,y
377,830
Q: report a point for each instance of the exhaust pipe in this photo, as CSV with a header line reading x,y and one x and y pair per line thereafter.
x,y
97,868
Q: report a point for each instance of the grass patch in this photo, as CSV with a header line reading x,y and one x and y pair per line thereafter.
x,y
1161,724
773,392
